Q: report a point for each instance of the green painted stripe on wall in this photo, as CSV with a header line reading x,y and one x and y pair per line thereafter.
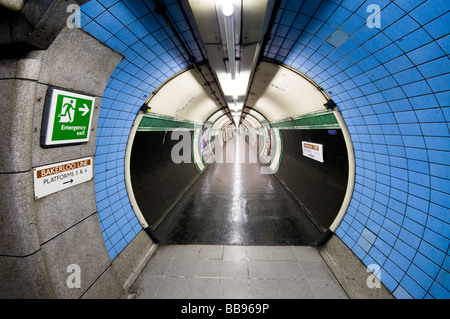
x,y
317,120
155,123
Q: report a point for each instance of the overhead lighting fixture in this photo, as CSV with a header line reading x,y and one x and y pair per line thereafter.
x,y
227,8
236,106
232,88
228,15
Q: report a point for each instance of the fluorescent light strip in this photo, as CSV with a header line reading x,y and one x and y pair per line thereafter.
x,y
228,14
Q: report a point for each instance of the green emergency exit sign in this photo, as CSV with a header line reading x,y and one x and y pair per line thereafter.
x,y
67,118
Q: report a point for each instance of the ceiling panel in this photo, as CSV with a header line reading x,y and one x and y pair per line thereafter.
x,y
186,96
279,92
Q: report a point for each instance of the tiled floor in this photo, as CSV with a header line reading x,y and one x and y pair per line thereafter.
x,y
243,272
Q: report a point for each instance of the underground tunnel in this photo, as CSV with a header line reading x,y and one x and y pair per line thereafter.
x,y
141,110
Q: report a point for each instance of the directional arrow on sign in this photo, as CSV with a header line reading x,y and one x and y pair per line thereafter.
x,y
71,181
85,109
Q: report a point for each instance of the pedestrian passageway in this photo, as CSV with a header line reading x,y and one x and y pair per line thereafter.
x,y
340,108
233,203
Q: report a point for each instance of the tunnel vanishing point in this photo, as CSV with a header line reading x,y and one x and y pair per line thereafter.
x,y
111,110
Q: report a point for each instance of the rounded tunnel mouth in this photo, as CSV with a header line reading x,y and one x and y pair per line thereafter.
x,y
168,193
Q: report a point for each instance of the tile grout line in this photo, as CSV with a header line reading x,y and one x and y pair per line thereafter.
x,y
334,275
165,272
264,257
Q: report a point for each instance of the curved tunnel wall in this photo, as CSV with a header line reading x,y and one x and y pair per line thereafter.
x,y
319,186
391,85
152,168
133,29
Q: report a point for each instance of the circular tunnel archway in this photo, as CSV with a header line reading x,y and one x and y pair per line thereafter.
x,y
157,181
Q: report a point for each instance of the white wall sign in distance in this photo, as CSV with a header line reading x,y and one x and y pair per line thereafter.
x,y
313,151
53,178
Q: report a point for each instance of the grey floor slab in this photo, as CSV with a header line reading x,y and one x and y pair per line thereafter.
x,y
242,272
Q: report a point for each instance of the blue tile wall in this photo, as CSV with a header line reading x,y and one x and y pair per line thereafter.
x,y
136,31
392,86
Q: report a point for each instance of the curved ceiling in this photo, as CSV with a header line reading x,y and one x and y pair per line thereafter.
x,y
221,122
275,92
213,118
278,92
185,96
252,121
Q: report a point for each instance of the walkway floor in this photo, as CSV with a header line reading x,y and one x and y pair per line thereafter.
x,y
236,233
232,203
236,272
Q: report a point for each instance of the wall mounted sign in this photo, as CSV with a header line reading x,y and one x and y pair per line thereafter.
x,y
53,178
67,118
313,151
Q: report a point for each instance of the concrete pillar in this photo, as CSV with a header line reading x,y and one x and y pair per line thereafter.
x,y
42,238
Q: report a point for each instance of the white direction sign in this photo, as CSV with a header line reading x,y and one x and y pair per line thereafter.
x,y
53,178
313,151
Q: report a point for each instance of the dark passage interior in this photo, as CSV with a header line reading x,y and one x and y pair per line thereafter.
x,y
232,203
157,180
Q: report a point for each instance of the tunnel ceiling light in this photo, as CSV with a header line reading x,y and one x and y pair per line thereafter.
x,y
236,106
233,88
232,19
227,8
228,16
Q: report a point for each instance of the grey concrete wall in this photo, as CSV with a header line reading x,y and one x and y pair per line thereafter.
x,y
351,273
41,238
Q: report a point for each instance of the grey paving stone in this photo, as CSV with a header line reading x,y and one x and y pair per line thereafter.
x,y
236,272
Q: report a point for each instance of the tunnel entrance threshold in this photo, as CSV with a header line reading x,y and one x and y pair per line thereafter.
x,y
234,204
